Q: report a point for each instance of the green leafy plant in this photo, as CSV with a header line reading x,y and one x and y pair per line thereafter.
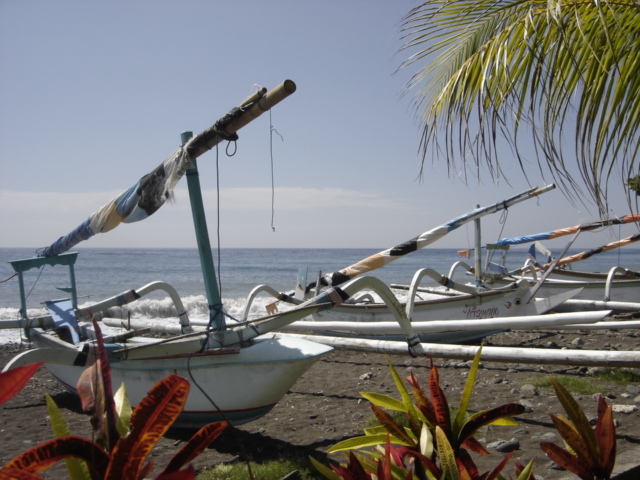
x,y
434,444
590,453
123,439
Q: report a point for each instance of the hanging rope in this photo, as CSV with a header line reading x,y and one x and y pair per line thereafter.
x,y
273,188
7,279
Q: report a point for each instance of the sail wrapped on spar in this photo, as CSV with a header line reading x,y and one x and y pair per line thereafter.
x,y
140,201
385,257
584,227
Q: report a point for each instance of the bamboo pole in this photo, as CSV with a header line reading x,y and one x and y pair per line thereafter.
x,y
539,356
255,106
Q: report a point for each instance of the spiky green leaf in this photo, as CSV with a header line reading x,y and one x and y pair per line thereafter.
x,y
402,389
466,394
526,472
385,401
76,468
123,410
324,470
447,455
363,442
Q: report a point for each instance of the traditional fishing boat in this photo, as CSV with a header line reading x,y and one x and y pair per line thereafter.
x,y
237,373
618,289
433,312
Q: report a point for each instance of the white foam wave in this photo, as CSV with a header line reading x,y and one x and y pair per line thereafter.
x,y
154,310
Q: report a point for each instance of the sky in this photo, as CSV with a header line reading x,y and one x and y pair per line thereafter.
x,y
94,95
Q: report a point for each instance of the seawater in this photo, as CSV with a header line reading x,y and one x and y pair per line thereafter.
x,y
103,273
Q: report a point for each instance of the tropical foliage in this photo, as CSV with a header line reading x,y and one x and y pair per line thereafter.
x,y
123,438
431,443
590,453
493,71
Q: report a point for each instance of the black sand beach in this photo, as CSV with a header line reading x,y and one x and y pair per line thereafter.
x,y
324,406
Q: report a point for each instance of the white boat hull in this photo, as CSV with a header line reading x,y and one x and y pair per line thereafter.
x,y
594,286
239,385
468,307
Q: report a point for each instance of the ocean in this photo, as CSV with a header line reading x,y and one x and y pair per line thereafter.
x,y
102,273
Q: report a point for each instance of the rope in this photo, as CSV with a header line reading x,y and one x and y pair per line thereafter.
x,y
7,279
273,191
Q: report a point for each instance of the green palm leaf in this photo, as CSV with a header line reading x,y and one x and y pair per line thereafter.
x,y
490,72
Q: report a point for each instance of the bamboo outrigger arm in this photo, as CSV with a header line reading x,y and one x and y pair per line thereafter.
x,y
248,110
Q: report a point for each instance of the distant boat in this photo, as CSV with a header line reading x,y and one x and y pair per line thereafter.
x,y
364,315
619,284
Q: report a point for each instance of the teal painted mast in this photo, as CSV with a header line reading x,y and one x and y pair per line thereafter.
x,y
226,128
212,289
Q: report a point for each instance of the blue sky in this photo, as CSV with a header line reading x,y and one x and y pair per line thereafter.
x,y
93,95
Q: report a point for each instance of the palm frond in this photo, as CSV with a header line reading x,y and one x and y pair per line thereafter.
x,y
495,73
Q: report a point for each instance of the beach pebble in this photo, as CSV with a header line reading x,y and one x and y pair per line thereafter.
x,y
505,446
509,446
624,408
577,342
549,437
496,444
528,391
633,389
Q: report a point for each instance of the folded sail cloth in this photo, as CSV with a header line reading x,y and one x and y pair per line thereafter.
x,y
137,203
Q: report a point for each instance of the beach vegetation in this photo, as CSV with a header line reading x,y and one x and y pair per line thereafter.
x,y
574,384
123,438
433,442
589,453
621,376
514,78
275,469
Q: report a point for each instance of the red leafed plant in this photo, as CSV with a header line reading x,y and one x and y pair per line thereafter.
x,y
433,444
14,380
113,455
590,453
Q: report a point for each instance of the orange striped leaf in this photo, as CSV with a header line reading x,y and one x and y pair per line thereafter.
x,y
577,417
196,445
393,427
573,439
606,437
151,419
440,404
14,380
566,460
15,474
43,456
